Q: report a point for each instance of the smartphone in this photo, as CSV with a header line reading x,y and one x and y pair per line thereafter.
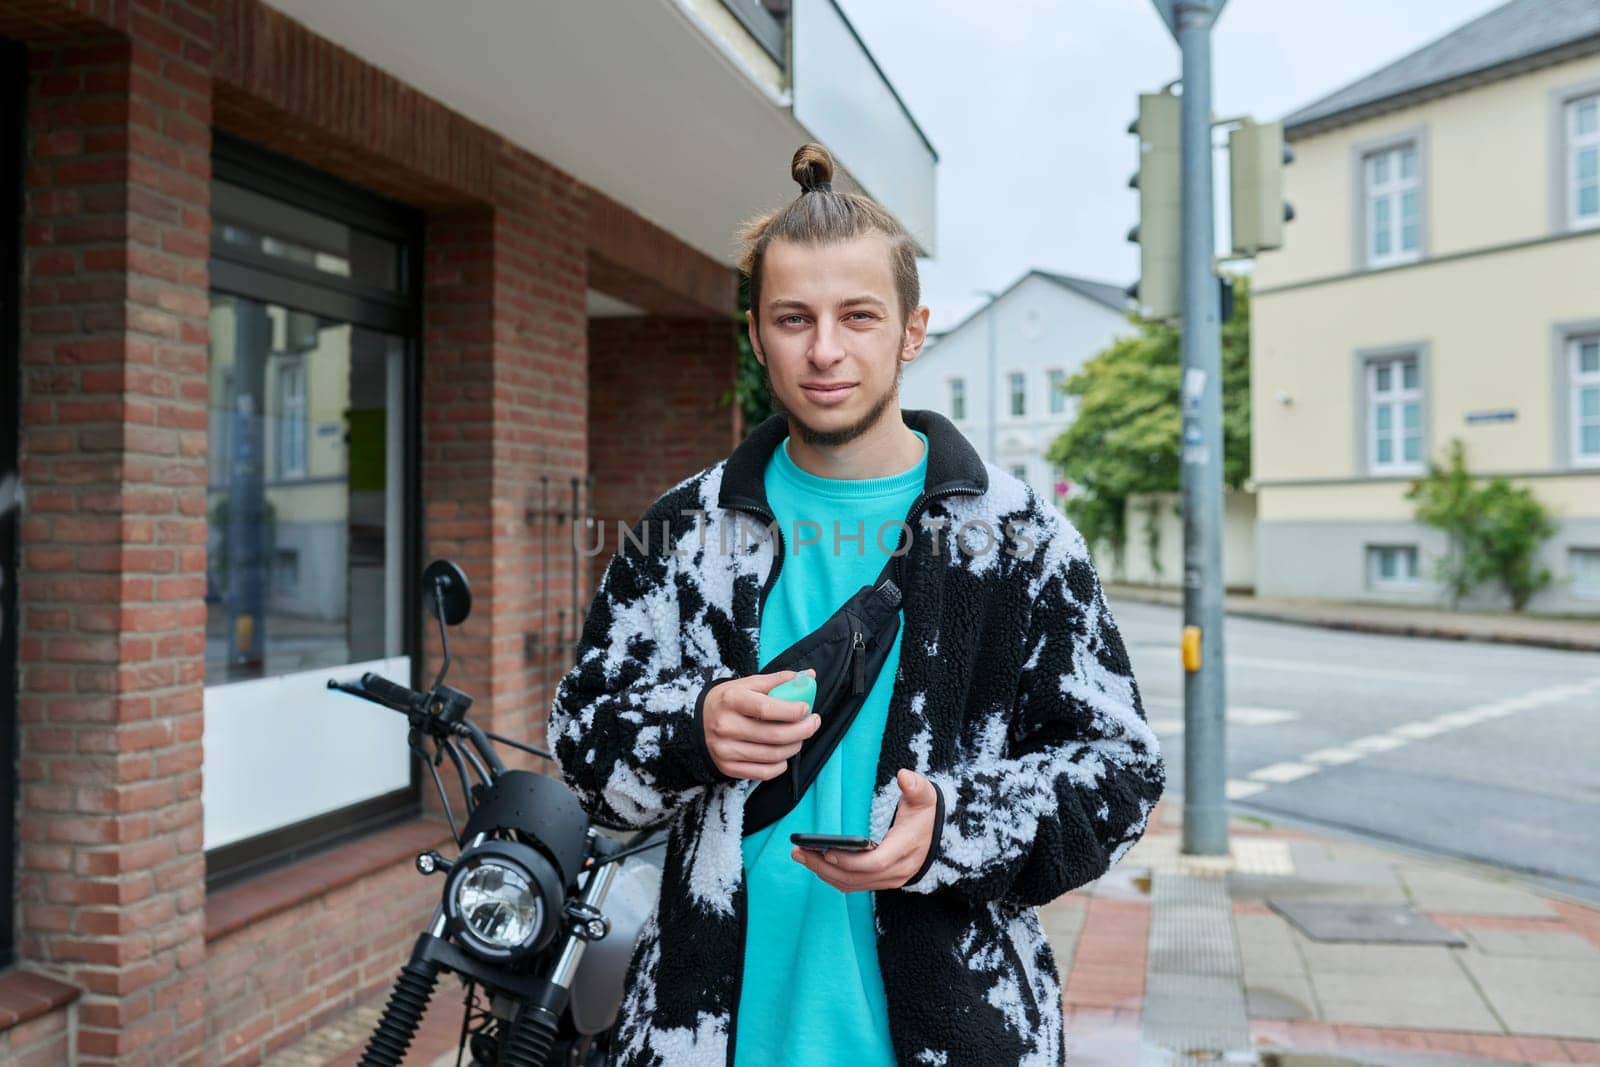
x,y
822,842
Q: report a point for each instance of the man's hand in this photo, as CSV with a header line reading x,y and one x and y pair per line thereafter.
x,y
898,856
750,734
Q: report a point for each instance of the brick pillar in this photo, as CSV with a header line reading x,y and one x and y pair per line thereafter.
x,y
656,413
504,403
111,872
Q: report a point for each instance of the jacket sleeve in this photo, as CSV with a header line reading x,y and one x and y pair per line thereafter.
x,y
625,725
1048,798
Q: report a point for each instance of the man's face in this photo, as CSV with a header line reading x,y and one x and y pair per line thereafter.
x,y
830,336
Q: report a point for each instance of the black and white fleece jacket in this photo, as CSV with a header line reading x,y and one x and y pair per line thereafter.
x,y
1014,695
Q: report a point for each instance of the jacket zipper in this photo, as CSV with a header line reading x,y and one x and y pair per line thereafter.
x,y
761,605
917,509
858,659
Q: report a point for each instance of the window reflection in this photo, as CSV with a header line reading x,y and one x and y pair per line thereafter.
x,y
304,492
282,233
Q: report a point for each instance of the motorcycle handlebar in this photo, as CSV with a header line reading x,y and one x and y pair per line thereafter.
x,y
395,695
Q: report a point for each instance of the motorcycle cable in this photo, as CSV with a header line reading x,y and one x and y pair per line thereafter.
x,y
593,864
477,765
438,784
444,748
530,749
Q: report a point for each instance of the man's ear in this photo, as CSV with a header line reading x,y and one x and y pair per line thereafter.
x,y
754,329
916,332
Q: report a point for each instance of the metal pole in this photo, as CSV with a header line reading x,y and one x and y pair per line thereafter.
x,y
1205,804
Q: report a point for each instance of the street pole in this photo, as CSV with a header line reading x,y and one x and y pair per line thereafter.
x,y
1205,803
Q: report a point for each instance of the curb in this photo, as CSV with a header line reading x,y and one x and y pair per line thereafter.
x,y
1396,627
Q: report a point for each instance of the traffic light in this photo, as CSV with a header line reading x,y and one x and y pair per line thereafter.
x,y
1158,291
1256,157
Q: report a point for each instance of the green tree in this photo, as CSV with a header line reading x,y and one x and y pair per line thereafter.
x,y
1494,530
750,384
1125,438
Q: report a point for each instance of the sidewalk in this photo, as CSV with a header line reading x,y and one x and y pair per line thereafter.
x,y
1169,954
1567,632
1172,960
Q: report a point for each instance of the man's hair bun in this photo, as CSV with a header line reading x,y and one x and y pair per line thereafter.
x,y
825,218
812,166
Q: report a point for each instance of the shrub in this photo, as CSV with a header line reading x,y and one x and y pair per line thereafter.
x,y
1494,530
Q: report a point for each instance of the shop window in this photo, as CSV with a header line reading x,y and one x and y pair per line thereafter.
x,y
310,505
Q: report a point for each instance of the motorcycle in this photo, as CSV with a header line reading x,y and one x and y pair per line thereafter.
x,y
540,910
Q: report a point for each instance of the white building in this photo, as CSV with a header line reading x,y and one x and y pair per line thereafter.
x,y
1011,358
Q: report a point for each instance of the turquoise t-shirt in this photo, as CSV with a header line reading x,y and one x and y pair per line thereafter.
x,y
812,994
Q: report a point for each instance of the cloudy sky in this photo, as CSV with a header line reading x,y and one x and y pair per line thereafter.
x,y
1028,103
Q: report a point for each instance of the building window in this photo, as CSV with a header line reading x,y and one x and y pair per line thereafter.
x,y
1394,415
291,418
1018,385
1584,563
1584,357
958,399
1583,161
1019,471
1391,566
1058,391
1393,205
312,348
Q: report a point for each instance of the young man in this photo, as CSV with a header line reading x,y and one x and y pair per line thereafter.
x,y
1001,757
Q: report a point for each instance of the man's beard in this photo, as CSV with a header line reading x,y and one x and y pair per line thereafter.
x,y
834,438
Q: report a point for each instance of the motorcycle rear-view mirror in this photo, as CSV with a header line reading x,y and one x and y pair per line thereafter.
x,y
445,584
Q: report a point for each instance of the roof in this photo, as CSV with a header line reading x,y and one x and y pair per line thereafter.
x,y
1512,39
1112,296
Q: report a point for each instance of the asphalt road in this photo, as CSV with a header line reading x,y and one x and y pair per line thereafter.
x,y
1488,752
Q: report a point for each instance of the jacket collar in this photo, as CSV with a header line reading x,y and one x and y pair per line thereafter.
x,y
953,464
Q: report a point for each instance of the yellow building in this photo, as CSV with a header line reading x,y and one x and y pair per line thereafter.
x,y
1441,280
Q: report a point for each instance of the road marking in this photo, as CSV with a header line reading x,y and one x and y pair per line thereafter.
x,y
1333,757
1282,773
1417,731
1310,667
1469,717
1171,725
1396,737
1261,716
1238,790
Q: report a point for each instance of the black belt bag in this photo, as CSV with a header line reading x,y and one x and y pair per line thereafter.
x,y
848,652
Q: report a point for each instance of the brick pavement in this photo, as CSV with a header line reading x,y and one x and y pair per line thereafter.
x,y
1548,946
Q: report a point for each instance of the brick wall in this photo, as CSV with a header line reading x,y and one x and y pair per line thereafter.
x,y
123,96
655,407
506,385
270,981
111,877
41,1042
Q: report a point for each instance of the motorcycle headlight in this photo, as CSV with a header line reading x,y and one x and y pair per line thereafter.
x,y
504,900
